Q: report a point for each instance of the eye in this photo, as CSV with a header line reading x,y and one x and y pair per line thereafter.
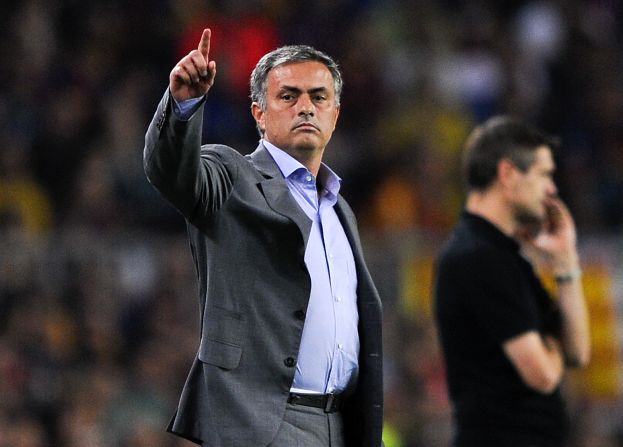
x,y
320,98
287,97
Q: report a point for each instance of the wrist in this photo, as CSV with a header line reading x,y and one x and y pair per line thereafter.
x,y
565,263
567,276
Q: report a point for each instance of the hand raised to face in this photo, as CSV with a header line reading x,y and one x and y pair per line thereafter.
x,y
194,74
556,238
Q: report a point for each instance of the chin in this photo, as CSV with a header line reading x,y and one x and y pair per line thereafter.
x,y
530,217
307,145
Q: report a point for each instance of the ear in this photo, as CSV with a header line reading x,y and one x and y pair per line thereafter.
x,y
337,114
258,115
507,172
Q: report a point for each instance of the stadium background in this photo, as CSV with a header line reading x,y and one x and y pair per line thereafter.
x,y
98,316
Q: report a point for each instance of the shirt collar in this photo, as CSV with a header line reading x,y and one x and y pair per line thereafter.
x,y
290,167
489,230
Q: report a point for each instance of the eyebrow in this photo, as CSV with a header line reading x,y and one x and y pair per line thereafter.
x,y
287,88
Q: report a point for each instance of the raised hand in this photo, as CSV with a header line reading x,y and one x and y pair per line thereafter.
x,y
194,74
557,239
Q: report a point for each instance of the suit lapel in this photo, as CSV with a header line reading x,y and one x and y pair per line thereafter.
x,y
276,191
349,228
278,197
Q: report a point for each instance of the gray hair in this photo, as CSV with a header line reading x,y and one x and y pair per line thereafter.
x,y
286,55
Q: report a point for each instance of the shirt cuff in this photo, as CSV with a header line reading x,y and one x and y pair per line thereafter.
x,y
185,109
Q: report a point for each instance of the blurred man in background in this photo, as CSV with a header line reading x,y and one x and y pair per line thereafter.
x,y
506,343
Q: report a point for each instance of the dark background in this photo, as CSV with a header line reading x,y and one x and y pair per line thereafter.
x,y
98,316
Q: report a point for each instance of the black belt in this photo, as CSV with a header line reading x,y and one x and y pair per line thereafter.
x,y
330,403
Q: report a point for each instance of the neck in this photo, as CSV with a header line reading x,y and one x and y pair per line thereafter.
x,y
309,157
491,207
313,164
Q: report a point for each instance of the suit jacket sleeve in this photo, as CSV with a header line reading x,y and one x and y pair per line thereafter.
x,y
195,180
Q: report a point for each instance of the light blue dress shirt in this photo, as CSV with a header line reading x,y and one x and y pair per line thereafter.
x,y
329,351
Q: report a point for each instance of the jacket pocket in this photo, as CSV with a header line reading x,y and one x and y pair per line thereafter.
x,y
218,353
221,338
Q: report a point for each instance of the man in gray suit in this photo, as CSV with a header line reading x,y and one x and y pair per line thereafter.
x,y
290,351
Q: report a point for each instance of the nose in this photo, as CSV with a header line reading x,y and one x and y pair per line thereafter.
x,y
306,106
553,189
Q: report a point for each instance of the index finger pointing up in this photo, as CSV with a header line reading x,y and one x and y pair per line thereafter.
x,y
204,44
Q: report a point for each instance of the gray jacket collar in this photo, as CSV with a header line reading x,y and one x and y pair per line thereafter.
x,y
276,191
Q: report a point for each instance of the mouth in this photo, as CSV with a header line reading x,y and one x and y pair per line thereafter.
x,y
307,126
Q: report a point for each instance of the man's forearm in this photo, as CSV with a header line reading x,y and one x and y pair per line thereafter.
x,y
575,327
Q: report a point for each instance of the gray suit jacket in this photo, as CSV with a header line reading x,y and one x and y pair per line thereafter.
x,y
248,238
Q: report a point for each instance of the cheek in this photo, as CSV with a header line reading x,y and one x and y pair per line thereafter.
x,y
544,185
273,123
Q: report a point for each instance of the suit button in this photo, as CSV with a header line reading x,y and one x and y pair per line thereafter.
x,y
300,314
289,362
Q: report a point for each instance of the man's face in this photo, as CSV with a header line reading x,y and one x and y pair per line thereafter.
x,y
301,109
533,188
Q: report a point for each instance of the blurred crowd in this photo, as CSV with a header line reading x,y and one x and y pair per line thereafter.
x,y
98,306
